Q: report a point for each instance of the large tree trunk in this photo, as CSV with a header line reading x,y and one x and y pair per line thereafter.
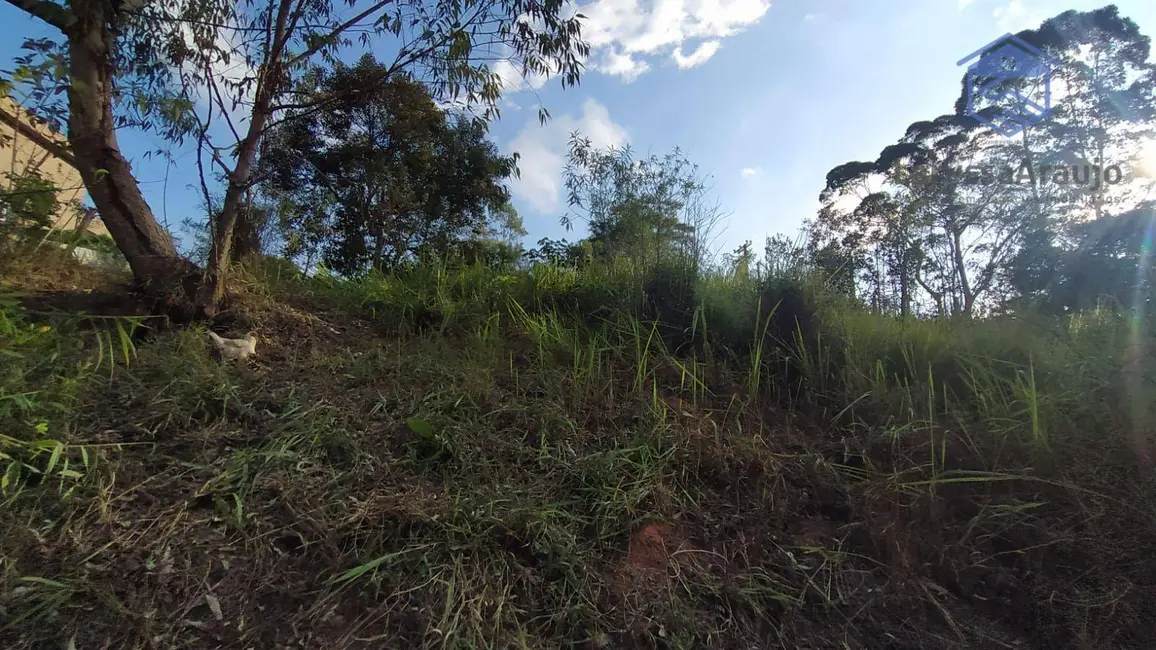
x,y
904,284
247,234
378,252
149,249
213,291
269,77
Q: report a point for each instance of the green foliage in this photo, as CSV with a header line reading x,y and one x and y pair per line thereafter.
x,y
546,419
428,448
637,208
561,252
152,64
39,76
1029,378
497,255
1106,262
42,367
933,225
616,444
28,203
27,351
385,174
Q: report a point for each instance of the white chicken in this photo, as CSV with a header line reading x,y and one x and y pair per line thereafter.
x,y
238,349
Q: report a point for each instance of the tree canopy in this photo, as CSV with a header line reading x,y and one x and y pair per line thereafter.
x,y
385,173
955,218
648,208
181,67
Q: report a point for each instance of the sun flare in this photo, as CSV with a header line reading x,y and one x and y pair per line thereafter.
x,y
1148,158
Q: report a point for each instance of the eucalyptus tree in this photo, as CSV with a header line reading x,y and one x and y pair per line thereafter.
x,y
182,66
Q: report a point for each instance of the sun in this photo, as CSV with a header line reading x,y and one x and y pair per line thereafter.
x,y
1147,158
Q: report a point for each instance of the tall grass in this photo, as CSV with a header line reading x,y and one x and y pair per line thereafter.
x,y
42,367
789,340
484,481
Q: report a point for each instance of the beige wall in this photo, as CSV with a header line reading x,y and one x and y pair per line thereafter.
x,y
18,154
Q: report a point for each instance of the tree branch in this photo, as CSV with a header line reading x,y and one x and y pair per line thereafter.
x,y
337,31
48,144
220,100
49,12
405,57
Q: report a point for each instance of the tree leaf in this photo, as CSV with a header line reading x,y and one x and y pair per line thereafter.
x,y
421,428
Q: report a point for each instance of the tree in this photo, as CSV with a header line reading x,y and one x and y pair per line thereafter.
x,y
919,222
836,261
157,57
938,219
90,29
1107,107
781,257
648,208
261,229
387,172
560,252
1106,263
467,196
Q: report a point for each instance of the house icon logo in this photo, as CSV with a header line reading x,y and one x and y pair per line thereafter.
x,y
1009,84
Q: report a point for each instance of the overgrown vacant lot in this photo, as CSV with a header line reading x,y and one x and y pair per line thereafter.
x,y
463,459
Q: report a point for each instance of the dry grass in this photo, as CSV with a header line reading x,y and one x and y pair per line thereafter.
x,y
51,269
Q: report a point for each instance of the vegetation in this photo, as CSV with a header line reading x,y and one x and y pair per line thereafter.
x,y
376,180
955,219
146,65
27,204
926,424
29,210
652,207
483,458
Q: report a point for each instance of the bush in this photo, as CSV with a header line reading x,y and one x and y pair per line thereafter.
x,y
28,204
671,301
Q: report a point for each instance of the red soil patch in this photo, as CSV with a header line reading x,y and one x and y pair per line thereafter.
x,y
649,548
651,551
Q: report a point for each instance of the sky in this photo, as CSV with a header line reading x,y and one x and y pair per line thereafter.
x,y
765,96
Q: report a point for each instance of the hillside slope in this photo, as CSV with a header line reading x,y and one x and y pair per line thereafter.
x,y
363,484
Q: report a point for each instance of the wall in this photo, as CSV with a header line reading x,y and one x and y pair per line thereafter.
x,y
18,154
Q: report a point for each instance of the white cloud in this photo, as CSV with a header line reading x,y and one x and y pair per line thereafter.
x,y
697,57
509,104
621,65
623,33
750,172
512,80
543,152
1010,12
1016,15
963,4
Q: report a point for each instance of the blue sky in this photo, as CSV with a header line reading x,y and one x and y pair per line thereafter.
x,y
766,96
